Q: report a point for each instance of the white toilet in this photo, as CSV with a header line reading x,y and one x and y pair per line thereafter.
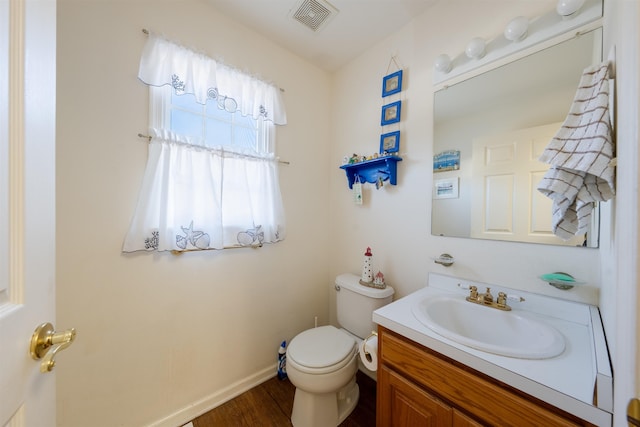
x,y
322,362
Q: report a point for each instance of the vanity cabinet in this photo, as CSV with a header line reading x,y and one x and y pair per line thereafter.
x,y
420,387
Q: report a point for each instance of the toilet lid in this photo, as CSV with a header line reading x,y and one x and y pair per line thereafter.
x,y
321,347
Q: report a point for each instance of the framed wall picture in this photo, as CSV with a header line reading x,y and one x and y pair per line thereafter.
x,y
392,83
390,142
446,161
391,113
446,188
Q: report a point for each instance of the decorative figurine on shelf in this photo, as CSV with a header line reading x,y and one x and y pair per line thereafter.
x,y
378,280
367,275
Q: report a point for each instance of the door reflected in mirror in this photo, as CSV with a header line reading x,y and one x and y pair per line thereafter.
x,y
500,121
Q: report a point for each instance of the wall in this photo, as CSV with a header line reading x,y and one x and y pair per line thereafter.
x,y
159,334
620,261
395,221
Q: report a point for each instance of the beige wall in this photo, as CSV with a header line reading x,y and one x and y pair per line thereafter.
x,y
620,298
158,333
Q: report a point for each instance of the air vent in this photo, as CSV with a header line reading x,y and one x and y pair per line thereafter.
x,y
314,14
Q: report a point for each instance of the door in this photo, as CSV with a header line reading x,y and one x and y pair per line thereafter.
x,y
505,175
27,206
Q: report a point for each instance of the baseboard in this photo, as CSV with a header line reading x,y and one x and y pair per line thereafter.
x,y
194,410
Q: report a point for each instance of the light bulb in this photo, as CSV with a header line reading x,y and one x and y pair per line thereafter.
x,y
517,29
443,63
566,8
475,48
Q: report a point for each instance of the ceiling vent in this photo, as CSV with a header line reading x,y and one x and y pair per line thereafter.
x,y
314,14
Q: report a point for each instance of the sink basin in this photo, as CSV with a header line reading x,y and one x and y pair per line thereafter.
x,y
488,329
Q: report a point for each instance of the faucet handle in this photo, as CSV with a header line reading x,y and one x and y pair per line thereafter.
x,y
515,298
502,299
473,292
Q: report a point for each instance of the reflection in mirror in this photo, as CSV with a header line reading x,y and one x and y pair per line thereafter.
x,y
500,122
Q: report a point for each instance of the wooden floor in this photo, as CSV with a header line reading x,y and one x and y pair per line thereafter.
x,y
270,403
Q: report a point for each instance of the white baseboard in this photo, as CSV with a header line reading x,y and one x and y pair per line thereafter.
x,y
194,410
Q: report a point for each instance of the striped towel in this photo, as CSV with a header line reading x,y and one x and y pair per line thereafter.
x,y
580,155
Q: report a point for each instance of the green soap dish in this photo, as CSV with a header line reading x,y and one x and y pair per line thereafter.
x,y
560,280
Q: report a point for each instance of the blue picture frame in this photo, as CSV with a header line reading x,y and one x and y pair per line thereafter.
x,y
390,142
392,83
391,113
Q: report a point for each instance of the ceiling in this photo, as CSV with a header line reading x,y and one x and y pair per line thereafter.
x,y
352,26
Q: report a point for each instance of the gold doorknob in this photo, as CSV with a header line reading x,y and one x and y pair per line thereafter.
x,y
46,343
633,413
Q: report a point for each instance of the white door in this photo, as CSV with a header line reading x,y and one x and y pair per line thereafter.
x,y
504,197
27,206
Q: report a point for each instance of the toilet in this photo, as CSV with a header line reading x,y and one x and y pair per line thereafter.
x,y
322,362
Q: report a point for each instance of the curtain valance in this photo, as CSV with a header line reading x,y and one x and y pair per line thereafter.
x,y
166,63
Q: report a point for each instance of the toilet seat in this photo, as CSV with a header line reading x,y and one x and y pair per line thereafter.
x,y
321,350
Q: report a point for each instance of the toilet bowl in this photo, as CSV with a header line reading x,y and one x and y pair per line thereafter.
x,y
322,364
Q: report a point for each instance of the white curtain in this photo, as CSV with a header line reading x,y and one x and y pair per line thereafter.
x,y
200,198
195,197
166,63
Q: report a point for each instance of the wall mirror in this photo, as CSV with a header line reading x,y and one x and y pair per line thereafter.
x,y
490,131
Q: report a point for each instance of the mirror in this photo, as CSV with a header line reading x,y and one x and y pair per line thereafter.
x,y
505,115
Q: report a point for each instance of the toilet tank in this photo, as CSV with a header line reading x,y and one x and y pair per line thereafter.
x,y
355,304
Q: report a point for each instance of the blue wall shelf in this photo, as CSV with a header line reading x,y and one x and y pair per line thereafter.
x,y
370,170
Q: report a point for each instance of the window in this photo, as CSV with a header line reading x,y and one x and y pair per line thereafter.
x,y
211,180
216,123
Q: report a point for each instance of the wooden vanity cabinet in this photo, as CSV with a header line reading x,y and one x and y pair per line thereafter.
x,y
420,387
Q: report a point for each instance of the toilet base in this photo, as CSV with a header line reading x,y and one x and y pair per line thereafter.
x,y
326,409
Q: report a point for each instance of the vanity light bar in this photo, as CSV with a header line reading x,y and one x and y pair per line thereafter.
x,y
520,33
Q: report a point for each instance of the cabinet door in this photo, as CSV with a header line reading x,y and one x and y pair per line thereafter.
x,y
461,420
403,404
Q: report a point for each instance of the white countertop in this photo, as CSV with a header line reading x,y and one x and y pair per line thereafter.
x,y
566,381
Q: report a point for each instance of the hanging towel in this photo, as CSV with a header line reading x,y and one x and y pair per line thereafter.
x,y
580,155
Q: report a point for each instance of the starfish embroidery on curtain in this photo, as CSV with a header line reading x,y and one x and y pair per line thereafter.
x,y
197,239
